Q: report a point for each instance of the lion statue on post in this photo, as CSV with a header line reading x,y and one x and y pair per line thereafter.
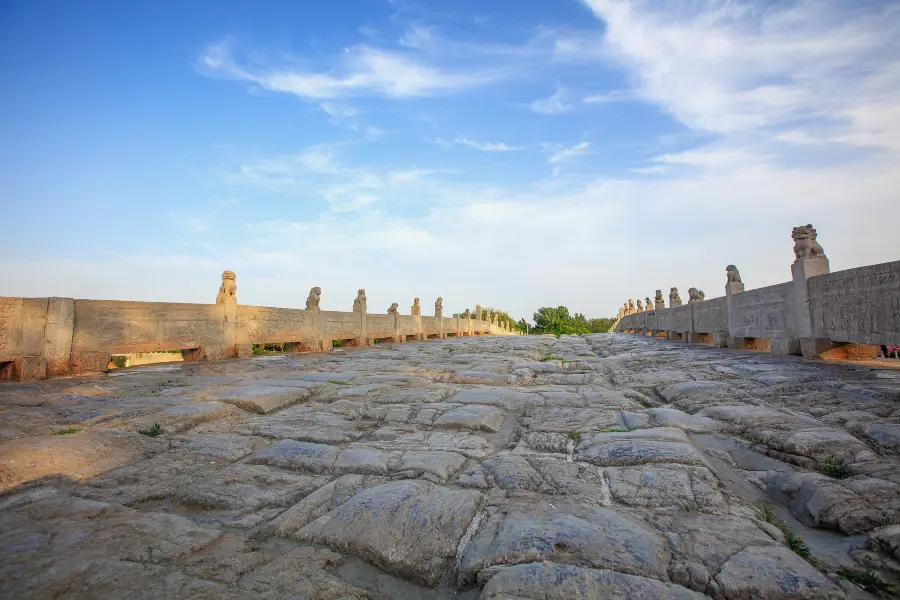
x,y
805,244
695,295
312,301
228,289
674,298
360,301
393,309
649,303
732,274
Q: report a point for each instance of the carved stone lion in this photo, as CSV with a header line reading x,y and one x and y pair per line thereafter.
x,y
439,305
312,301
649,304
467,314
732,274
674,298
228,289
393,309
360,298
640,305
630,306
805,244
659,297
695,295
416,309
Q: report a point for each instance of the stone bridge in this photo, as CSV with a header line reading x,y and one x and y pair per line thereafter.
x,y
483,467
846,314
41,337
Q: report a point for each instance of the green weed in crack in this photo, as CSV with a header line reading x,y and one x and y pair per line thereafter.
x,y
793,541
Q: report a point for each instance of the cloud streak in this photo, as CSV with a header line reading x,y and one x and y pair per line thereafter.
x,y
826,70
360,71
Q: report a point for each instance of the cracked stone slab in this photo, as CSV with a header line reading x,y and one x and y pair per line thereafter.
x,y
591,536
408,528
263,399
766,572
660,445
471,416
552,581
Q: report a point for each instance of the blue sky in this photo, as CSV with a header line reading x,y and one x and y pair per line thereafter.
x,y
516,154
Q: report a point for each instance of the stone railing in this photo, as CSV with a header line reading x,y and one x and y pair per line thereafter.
x,y
41,337
847,314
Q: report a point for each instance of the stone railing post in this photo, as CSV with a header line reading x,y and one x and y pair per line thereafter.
x,y
227,300
479,324
316,327
439,315
733,286
809,261
58,334
416,311
361,310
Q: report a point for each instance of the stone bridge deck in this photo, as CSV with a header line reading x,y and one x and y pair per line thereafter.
x,y
486,467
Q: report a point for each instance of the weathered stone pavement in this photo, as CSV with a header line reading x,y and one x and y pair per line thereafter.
x,y
603,466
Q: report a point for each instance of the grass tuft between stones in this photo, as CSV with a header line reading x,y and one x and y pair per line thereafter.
x,y
336,382
794,542
835,468
66,431
867,580
548,357
151,431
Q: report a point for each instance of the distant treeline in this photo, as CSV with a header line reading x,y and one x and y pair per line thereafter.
x,y
558,321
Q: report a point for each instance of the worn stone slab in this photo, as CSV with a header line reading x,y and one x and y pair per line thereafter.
x,y
409,528
552,581
263,399
768,572
596,537
472,416
638,447
500,397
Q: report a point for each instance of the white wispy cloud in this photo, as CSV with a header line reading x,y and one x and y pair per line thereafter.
x,y
741,66
607,97
562,155
552,105
483,146
359,71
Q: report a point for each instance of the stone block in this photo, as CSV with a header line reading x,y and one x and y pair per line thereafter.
x,y
89,362
25,368
203,353
242,351
58,335
812,347
784,346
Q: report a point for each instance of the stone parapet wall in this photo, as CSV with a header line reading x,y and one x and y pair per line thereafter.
x,y
41,337
856,306
818,313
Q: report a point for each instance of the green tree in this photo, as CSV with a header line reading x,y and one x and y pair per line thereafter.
x,y
559,322
601,325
